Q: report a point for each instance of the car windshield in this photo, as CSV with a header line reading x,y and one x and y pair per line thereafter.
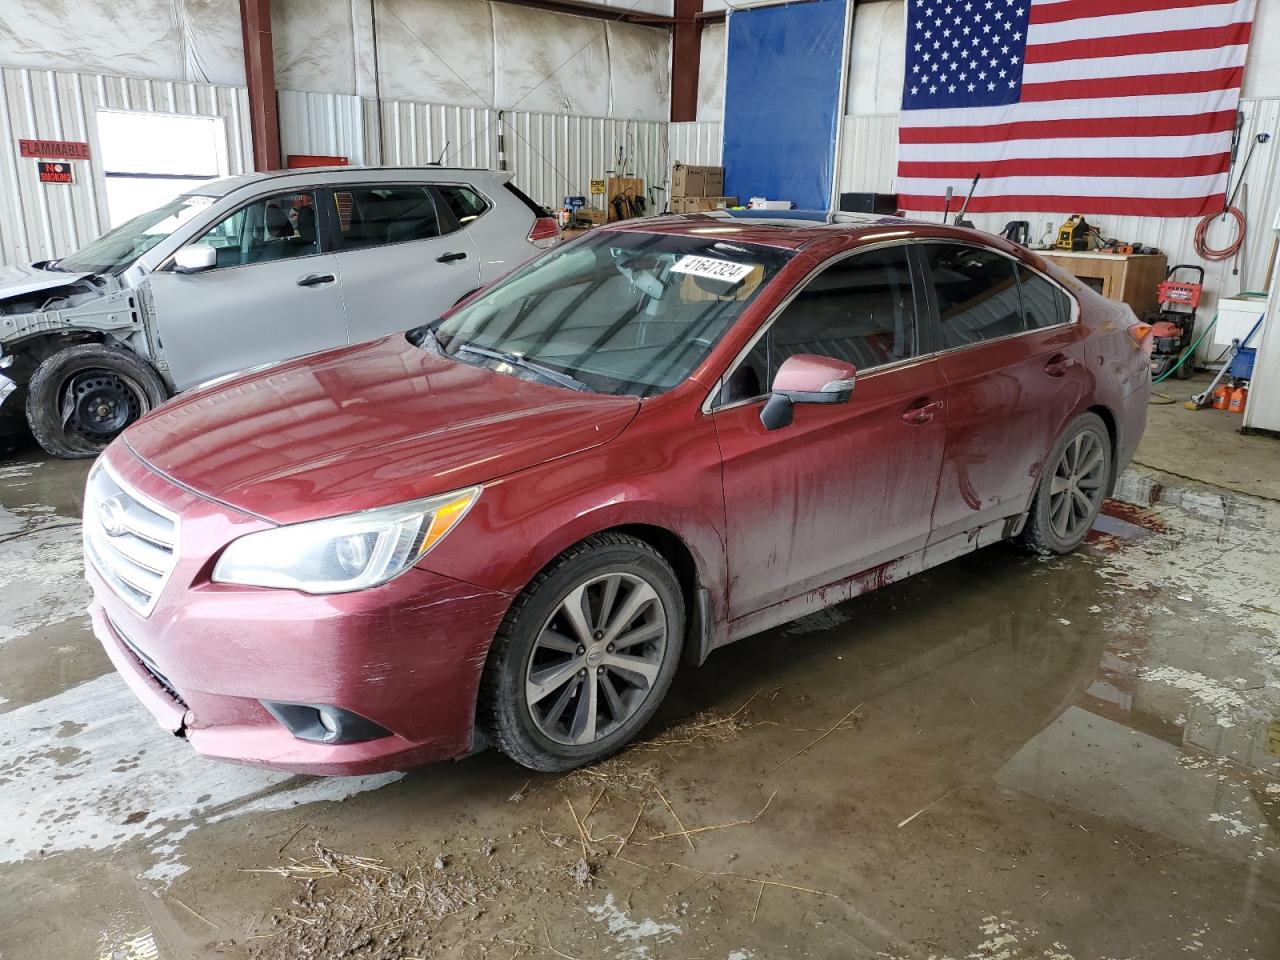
x,y
615,312
114,251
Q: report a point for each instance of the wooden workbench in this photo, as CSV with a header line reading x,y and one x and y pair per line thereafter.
x,y
1126,278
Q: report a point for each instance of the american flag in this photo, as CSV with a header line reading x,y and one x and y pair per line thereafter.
x,y
1123,107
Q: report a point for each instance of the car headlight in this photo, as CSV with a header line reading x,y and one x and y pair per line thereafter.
x,y
341,554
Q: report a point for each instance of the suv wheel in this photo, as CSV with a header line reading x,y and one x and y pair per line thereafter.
x,y
584,656
81,398
1070,493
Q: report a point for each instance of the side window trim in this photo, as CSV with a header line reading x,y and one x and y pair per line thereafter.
x,y
314,189
711,404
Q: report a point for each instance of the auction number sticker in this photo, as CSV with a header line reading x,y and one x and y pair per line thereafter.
x,y
712,269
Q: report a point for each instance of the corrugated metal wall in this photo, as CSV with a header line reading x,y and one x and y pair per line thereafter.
x,y
868,158
39,221
550,155
695,143
324,124
555,156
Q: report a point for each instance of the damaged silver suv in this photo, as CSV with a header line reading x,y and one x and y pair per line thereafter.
x,y
242,273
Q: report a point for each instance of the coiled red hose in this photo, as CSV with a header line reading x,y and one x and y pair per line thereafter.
x,y
1225,253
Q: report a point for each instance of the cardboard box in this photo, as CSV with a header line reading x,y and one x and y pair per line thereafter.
x,y
712,181
701,204
591,214
686,181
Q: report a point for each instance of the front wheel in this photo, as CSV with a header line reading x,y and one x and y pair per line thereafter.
x,y
1071,489
584,656
81,398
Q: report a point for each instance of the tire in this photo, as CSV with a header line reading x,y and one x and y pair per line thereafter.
x,y
540,734
81,398
1082,454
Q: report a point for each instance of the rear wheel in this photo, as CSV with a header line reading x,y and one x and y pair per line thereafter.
x,y
1071,489
584,656
81,398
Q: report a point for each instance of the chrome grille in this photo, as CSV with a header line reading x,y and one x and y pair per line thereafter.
x,y
131,541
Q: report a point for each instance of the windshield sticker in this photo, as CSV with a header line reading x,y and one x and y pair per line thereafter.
x,y
713,269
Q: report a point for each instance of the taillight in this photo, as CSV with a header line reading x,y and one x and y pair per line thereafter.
x,y
545,232
1141,335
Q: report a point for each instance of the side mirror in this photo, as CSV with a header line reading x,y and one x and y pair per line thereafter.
x,y
195,257
805,378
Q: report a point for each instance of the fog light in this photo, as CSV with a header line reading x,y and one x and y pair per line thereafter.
x,y
328,721
322,723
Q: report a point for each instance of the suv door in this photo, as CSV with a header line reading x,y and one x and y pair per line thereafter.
x,y
403,258
273,293
1013,357
846,487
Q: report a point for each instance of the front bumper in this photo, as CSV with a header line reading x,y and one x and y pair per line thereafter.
x,y
406,655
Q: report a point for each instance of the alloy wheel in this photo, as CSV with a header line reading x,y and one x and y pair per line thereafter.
x,y
1076,488
596,658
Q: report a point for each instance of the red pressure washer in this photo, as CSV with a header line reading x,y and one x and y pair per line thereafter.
x,y
1173,323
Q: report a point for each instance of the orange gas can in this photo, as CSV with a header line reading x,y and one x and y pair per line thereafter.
x,y
1221,397
1239,397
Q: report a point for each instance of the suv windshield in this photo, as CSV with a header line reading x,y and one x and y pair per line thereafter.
x,y
114,251
616,312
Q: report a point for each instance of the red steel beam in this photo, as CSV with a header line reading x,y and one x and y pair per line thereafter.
x,y
686,48
260,73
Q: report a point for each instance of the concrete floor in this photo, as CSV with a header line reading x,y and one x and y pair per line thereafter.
x,y
1206,445
1054,759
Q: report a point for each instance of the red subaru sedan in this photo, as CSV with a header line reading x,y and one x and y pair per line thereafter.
x,y
512,525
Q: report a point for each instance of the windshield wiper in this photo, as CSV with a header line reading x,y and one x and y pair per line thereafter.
x,y
555,376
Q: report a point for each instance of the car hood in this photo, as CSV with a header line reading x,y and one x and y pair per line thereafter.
x,y
366,426
19,279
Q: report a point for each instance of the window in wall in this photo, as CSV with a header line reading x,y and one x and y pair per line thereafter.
x,y
860,309
375,215
281,227
977,294
150,158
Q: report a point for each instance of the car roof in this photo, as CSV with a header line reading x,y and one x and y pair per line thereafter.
x,y
788,229
226,185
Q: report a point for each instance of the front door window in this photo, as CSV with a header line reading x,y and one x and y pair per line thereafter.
x,y
280,227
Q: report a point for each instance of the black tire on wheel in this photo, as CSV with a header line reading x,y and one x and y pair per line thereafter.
x,y
537,643
80,398
1071,489
1185,371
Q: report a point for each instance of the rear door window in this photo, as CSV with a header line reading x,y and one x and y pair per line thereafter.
x,y
976,291
375,215
464,203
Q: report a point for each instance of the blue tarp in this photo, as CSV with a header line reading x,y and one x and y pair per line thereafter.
x,y
782,101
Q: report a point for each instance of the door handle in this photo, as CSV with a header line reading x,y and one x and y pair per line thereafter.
x,y
922,412
315,279
1059,364
450,257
